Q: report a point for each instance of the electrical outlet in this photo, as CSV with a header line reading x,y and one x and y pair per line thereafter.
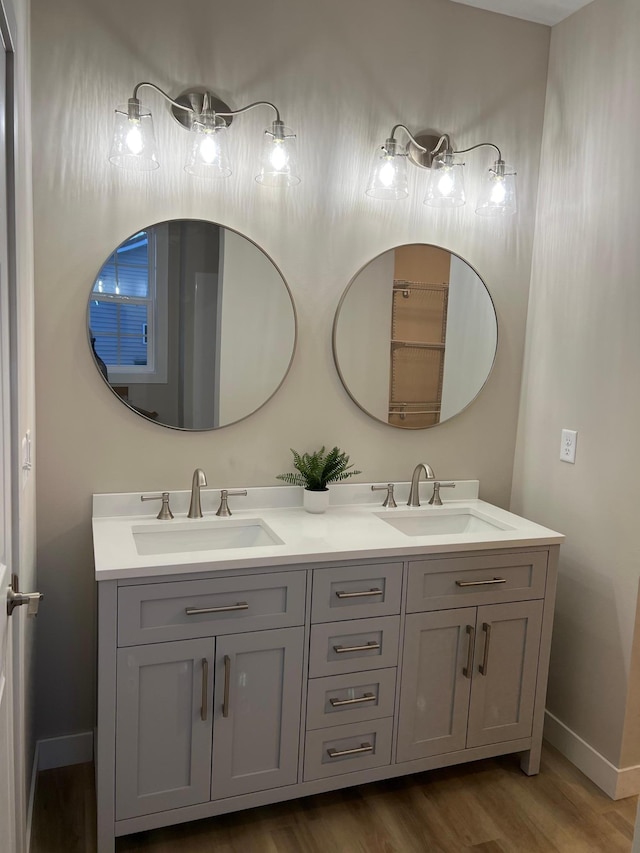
x,y
568,445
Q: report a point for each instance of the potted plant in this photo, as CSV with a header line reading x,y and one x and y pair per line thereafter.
x,y
315,471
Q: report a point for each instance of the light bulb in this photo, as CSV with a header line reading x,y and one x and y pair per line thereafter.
x,y
498,193
208,148
278,156
387,173
445,184
135,142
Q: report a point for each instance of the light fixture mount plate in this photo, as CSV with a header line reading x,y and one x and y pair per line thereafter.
x,y
194,98
428,140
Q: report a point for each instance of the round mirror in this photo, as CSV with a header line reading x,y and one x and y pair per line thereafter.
x,y
415,336
191,324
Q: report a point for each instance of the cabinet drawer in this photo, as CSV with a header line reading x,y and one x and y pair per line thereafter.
x,y
345,749
159,612
339,647
356,591
471,581
351,698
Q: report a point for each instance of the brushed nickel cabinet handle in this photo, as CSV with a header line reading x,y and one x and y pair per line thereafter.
x,y
363,594
227,608
468,669
204,710
369,647
227,686
366,697
482,669
481,583
337,753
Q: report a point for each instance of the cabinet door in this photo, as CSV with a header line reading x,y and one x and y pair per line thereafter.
x,y
163,726
436,679
505,672
257,711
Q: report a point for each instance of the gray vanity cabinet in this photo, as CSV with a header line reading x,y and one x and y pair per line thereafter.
x,y
434,696
468,678
469,673
504,675
256,711
214,715
236,689
167,710
163,727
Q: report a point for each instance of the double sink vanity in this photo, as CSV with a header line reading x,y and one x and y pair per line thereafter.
x,y
275,654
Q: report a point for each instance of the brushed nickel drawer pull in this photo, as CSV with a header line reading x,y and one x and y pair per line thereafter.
x,y
227,608
468,669
227,686
205,689
481,583
337,753
363,594
369,647
482,669
366,697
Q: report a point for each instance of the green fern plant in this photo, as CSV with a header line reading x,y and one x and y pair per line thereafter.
x,y
316,470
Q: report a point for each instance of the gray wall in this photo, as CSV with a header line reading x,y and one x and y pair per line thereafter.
x,y
581,372
342,75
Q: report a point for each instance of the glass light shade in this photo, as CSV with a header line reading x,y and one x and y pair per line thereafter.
x,y
446,183
498,196
388,176
207,157
278,161
134,142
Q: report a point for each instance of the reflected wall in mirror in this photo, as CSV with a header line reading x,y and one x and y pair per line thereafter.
x,y
191,324
415,336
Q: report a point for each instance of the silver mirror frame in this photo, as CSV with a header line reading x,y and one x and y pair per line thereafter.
x,y
231,423
335,329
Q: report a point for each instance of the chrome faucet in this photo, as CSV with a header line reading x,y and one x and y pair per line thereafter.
x,y
199,479
414,492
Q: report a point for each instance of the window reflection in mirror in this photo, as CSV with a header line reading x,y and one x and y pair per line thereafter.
x,y
191,324
415,336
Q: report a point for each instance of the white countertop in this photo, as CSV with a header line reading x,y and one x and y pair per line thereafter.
x,y
350,529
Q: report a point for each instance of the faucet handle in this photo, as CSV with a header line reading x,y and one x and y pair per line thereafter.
x,y
165,513
223,509
435,499
389,501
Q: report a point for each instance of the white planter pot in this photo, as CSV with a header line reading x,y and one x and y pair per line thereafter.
x,y
315,501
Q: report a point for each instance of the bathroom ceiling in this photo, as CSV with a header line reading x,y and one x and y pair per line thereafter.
x,y
548,12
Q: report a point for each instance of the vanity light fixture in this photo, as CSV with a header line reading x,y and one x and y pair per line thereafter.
x,y
445,188
207,119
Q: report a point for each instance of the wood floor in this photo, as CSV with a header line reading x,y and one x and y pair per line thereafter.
x,y
485,807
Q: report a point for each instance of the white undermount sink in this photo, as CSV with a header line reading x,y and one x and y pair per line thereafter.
x,y
437,521
173,537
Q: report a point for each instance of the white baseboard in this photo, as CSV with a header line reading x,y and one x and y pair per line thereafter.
x,y
61,751
614,781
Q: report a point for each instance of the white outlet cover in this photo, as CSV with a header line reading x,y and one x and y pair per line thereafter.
x,y
568,445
